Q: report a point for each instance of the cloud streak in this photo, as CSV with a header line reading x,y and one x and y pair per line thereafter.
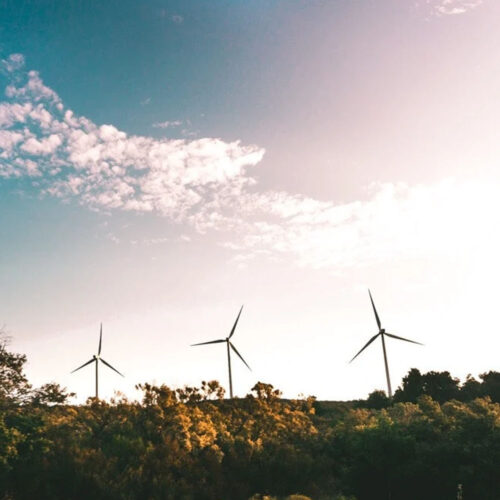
x,y
167,124
451,7
207,184
449,219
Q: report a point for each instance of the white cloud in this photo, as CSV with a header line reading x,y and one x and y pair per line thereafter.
x,y
176,18
42,116
105,168
45,146
35,90
451,7
14,62
151,241
14,113
8,139
207,184
166,124
397,221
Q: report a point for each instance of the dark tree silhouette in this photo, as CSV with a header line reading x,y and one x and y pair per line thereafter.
x,y
441,386
412,387
471,389
377,400
14,386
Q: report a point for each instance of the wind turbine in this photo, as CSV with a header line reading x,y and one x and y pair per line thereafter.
x,y
382,333
95,359
229,346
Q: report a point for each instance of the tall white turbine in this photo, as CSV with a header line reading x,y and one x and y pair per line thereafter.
x,y
95,359
382,333
229,346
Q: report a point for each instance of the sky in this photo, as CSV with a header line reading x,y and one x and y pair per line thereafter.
x,y
163,163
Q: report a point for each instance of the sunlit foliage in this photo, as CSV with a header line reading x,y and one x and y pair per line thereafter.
x,y
191,443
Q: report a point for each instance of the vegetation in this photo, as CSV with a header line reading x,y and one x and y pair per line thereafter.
x,y
191,443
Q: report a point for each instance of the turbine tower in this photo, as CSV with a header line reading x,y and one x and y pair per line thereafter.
x,y
382,334
95,359
229,346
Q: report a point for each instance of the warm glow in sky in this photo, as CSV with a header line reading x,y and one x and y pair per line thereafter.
x,y
162,163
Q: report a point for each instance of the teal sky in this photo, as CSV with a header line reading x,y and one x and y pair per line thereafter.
x,y
162,163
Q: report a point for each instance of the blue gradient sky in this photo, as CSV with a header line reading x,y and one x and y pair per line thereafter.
x,y
378,123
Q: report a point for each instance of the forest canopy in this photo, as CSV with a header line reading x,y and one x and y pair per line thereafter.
x,y
436,436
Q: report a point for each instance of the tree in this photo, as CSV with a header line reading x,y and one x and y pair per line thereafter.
x,y
471,389
265,392
14,386
413,387
51,394
491,385
440,386
377,400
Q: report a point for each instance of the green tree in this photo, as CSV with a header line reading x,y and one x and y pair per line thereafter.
x,y
440,386
412,387
14,386
377,400
470,389
51,394
491,385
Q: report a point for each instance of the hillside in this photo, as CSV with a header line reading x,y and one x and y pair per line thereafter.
x,y
191,443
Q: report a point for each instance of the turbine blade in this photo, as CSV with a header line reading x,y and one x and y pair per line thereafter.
x,y
100,341
107,364
401,338
239,355
211,342
366,345
235,323
375,311
84,364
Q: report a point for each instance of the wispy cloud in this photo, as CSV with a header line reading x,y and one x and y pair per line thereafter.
x,y
207,185
150,241
175,18
112,237
167,124
104,168
451,7
396,221
13,62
